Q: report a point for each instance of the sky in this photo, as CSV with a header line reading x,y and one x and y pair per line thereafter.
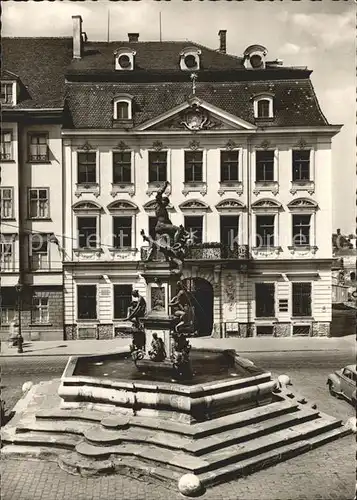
x,y
317,34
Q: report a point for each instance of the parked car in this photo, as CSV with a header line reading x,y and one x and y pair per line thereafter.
x,y
343,383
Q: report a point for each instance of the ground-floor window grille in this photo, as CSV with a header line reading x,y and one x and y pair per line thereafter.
x,y
301,330
301,299
263,330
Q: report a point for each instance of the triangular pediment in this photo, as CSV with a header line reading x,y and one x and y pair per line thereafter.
x,y
195,115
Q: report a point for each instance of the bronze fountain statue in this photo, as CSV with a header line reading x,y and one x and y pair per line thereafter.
x,y
172,242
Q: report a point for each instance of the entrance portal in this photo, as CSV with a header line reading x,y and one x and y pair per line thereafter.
x,y
202,301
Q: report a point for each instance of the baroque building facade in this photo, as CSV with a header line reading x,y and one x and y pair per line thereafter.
x,y
246,151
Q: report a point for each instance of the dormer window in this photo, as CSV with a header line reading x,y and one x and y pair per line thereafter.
x,y
190,59
122,108
263,106
254,57
124,59
8,93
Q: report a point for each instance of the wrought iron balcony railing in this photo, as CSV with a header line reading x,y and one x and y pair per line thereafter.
x,y
205,251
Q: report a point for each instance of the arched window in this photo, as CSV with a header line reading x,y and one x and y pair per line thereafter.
x,y
263,108
122,107
122,110
353,276
263,105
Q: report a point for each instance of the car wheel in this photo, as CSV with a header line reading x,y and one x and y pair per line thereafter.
x,y
331,390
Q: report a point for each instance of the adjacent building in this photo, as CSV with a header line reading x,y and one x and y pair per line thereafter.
x,y
245,148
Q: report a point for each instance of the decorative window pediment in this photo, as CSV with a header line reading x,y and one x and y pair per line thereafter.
x,y
190,59
194,205
87,206
124,59
123,206
230,205
150,206
266,204
303,204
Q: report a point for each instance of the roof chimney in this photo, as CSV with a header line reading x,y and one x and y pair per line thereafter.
x,y
222,41
133,37
77,37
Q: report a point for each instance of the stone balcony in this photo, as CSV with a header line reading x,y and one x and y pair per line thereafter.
x,y
206,251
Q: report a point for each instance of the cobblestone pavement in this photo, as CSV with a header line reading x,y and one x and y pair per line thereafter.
x,y
317,475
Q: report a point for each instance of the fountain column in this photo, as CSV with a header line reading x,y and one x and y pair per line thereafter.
x,y
160,281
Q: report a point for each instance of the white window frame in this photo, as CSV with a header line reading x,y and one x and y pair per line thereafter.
x,y
38,204
14,93
7,259
86,216
42,309
3,144
123,187
195,186
9,201
90,187
308,185
36,133
128,100
308,210
39,260
264,186
5,320
264,97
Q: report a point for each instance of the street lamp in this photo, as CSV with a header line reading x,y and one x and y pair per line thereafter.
x,y
20,339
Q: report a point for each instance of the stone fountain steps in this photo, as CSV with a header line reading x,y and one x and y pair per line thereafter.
x,y
59,418
219,439
269,458
56,440
225,455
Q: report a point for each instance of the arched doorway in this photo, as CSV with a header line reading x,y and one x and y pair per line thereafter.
x,y
202,301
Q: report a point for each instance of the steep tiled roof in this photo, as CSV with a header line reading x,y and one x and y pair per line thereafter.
x,y
40,64
151,56
295,102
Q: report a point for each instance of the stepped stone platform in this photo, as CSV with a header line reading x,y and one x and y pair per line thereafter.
x,y
216,430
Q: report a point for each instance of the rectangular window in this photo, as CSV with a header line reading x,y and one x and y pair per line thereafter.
x,y
86,301
229,230
193,166
6,254
301,299
39,251
265,300
301,230
264,166
157,166
6,145
301,166
122,300
7,96
6,202
267,330
87,168
194,225
265,230
39,203
122,167
229,166
122,229
40,310
38,147
87,232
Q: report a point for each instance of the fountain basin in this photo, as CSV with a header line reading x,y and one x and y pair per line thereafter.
x,y
222,381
